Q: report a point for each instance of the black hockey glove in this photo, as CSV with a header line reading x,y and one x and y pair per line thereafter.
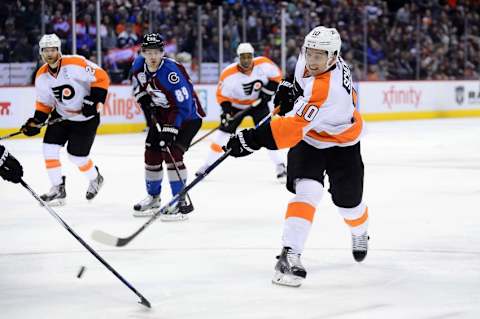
x,y
32,125
227,112
90,102
168,135
285,97
89,107
242,144
267,92
225,118
10,168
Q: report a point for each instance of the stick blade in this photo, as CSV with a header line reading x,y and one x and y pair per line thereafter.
x,y
145,302
104,238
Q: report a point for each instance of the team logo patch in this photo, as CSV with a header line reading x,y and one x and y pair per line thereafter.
x,y
173,78
142,78
64,92
248,88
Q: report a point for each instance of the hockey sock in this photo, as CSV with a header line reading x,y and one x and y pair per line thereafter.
x,y
51,153
300,213
220,139
276,157
153,179
177,184
356,218
85,165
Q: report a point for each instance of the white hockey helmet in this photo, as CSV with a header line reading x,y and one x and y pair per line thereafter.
x,y
50,41
326,39
245,48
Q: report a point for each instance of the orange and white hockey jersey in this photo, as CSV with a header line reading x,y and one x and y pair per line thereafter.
x,y
325,114
65,90
242,89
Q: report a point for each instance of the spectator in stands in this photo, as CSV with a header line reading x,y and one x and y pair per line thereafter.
x,y
128,38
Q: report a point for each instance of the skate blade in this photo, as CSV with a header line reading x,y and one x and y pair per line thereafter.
x,y
286,280
56,202
146,213
173,217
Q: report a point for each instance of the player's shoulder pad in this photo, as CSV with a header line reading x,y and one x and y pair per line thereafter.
x,y
42,70
138,64
171,71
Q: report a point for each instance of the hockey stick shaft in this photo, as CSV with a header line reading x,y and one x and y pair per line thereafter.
x,y
143,300
234,118
268,116
108,239
41,125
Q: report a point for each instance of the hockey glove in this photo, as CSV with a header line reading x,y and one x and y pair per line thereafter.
x,y
285,97
10,168
33,124
242,144
90,102
89,107
267,92
168,135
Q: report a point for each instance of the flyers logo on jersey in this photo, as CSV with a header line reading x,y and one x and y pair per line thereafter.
x,y
63,92
248,88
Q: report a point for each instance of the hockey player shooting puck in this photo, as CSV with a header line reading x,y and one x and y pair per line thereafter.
x,y
81,271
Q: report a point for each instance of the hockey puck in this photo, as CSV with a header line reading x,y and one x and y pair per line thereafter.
x,y
81,271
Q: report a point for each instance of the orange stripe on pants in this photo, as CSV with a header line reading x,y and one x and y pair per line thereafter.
x,y
359,221
87,166
301,210
216,148
52,163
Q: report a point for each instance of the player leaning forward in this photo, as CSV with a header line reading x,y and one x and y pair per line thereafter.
x,y
164,89
68,87
323,134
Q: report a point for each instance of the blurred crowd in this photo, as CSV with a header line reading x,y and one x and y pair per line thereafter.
x,y
382,40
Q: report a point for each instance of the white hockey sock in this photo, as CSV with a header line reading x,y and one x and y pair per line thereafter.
x,y
300,213
51,153
276,157
215,151
356,218
85,165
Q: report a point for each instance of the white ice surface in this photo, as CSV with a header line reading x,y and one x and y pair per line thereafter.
x,y
422,186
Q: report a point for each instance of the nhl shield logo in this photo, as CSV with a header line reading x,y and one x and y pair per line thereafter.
x,y
459,94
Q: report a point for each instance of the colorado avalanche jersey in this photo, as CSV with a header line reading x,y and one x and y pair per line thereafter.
x,y
170,88
65,90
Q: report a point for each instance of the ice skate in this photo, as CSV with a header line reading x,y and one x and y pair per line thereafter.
x,y
56,196
201,170
281,172
94,186
360,246
289,270
147,206
179,212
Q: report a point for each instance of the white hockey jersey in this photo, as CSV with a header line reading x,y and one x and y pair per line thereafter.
x,y
65,90
325,113
242,89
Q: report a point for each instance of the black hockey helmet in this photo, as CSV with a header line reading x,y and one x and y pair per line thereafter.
x,y
153,41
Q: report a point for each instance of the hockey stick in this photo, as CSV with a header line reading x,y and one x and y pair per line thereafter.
x,y
159,129
39,126
178,171
234,118
268,116
143,300
111,240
